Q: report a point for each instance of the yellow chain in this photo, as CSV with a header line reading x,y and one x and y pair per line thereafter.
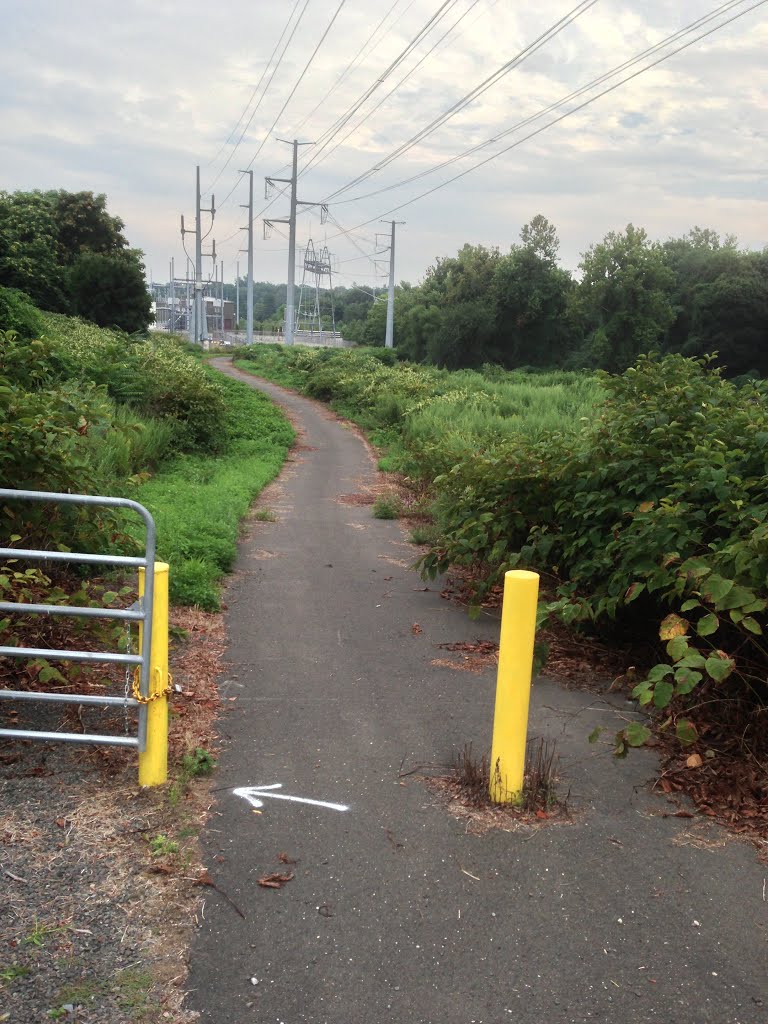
x,y
137,695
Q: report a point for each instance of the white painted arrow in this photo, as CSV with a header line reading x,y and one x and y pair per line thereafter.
x,y
252,794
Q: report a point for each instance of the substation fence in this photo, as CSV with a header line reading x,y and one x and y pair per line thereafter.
x,y
149,666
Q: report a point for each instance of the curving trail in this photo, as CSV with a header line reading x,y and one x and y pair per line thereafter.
x,y
397,912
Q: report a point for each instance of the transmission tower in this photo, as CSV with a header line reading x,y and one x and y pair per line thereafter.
x,y
317,266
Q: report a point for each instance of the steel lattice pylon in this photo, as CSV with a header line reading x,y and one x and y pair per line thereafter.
x,y
309,314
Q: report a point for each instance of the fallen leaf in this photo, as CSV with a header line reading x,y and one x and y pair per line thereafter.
x,y
274,881
285,859
694,761
416,629
541,814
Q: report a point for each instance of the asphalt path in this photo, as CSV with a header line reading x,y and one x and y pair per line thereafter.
x,y
398,910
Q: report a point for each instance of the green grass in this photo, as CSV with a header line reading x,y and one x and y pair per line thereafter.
x,y
198,501
426,420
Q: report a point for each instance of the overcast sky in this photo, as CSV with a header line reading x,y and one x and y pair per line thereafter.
x,y
127,97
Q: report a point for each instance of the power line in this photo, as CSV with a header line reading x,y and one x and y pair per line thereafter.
x,y
562,117
253,94
340,122
319,158
705,19
291,94
353,63
351,238
473,94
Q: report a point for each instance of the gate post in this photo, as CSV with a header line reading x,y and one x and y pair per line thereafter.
x,y
153,761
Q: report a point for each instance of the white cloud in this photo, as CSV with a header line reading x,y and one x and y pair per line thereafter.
x,y
125,98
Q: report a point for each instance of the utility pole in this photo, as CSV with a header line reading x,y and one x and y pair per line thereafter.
x,y
237,293
249,291
290,316
389,340
200,322
172,300
221,293
190,318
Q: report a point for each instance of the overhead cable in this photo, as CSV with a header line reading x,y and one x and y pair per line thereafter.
x,y
364,50
255,91
562,117
319,157
326,137
290,96
631,62
472,95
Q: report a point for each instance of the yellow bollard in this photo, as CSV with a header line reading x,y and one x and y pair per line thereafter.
x,y
513,685
153,762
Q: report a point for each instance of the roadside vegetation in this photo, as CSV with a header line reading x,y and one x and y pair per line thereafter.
x,y
640,497
94,411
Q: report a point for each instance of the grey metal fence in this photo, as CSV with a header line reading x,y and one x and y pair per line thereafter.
x,y
139,612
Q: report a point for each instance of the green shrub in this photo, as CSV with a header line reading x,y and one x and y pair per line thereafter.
x,y
387,506
655,509
18,313
155,376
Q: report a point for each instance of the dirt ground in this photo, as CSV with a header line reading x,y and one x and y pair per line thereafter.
x,y
102,880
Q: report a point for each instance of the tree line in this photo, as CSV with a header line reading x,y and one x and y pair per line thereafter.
x,y
694,295
347,307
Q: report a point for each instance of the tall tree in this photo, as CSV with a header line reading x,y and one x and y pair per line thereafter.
x,y
539,236
110,290
530,294
84,225
623,301
729,317
43,236
30,255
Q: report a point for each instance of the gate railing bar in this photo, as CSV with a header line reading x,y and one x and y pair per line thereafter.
x,y
70,737
62,609
70,556
145,607
44,652
69,698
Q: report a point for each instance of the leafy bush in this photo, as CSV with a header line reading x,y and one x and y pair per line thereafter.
x,y
657,508
155,376
17,313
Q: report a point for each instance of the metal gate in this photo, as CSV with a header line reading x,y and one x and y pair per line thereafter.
x,y
140,612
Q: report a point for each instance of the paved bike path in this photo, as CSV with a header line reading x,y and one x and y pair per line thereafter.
x,y
399,912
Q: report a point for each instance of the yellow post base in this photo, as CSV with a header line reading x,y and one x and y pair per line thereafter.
x,y
513,685
153,761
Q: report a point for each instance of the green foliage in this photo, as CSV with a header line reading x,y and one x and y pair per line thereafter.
x,y
156,377
90,411
17,313
198,763
42,234
198,502
11,973
162,846
387,506
656,508
110,290
622,303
